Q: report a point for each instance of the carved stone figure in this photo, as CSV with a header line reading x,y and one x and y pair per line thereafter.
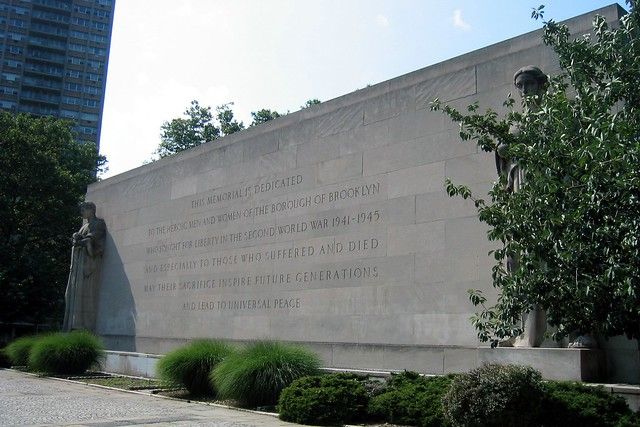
x,y
86,259
529,81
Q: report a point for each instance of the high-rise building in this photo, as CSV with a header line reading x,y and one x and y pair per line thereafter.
x,y
53,59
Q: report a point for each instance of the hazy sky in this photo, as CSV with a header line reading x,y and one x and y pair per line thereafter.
x,y
276,54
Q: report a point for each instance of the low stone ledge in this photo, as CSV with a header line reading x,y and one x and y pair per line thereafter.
x,y
574,364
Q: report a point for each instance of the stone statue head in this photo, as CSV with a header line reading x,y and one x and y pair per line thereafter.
x,y
530,80
87,210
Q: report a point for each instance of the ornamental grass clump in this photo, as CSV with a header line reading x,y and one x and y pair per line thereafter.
x,y
333,399
65,353
18,350
190,366
495,395
256,375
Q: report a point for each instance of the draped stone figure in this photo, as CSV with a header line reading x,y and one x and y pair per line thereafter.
x,y
84,275
529,81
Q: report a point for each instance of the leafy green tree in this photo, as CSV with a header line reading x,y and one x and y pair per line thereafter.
x,y
228,123
182,133
574,227
44,177
263,116
310,102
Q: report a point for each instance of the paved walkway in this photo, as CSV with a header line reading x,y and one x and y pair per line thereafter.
x,y
28,400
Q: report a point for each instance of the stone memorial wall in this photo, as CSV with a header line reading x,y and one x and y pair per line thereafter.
x,y
329,226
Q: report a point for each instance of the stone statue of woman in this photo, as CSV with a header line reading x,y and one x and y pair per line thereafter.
x,y
530,81
86,259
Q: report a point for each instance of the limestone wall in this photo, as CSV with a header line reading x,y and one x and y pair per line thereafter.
x,y
329,226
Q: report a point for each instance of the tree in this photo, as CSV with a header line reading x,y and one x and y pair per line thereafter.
x,y
44,177
182,133
228,124
263,116
309,103
575,225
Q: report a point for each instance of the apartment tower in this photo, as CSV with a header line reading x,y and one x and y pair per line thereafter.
x,y
53,59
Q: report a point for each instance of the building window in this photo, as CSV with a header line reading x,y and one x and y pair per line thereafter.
x,y
89,117
8,105
11,77
75,61
16,36
13,64
8,90
16,23
68,114
82,9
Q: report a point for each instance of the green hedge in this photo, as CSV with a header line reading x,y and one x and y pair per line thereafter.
x,y
495,395
573,404
412,399
18,351
65,353
256,375
333,399
190,366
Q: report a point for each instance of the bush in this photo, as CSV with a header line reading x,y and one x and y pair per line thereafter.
x,y
412,400
256,375
324,400
18,350
569,404
191,365
65,353
631,420
495,395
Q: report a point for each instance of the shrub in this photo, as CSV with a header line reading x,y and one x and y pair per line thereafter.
x,y
631,420
568,404
256,375
412,400
495,395
324,400
65,353
18,350
191,365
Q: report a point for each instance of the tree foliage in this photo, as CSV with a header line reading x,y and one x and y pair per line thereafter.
x,y
575,225
182,133
310,102
263,116
44,177
228,123
200,125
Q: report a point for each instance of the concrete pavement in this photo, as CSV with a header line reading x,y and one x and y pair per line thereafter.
x,y
29,400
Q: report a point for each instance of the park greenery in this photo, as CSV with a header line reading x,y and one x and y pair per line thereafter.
x,y
45,176
262,374
200,125
61,353
574,226
190,366
255,375
68,353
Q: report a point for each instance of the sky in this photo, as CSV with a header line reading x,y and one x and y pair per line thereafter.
x,y
277,54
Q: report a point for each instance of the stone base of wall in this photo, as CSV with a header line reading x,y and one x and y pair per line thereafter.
x,y
562,364
554,363
130,363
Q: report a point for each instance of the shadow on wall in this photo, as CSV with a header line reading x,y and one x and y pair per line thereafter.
x,y
116,322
